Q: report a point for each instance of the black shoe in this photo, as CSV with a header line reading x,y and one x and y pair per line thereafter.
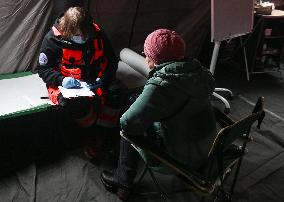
x,y
108,181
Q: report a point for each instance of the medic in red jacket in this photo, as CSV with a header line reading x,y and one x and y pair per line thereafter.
x,y
76,47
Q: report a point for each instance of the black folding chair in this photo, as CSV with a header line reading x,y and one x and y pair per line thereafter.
x,y
224,154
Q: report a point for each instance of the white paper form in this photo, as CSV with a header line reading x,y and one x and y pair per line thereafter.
x,y
83,90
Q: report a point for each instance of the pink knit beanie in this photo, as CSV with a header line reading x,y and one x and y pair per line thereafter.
x,y
164,45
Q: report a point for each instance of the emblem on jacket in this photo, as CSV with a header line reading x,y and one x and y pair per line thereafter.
x,y
42,59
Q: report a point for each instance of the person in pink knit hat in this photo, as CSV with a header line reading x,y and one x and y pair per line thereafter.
x,y
173,113
164,45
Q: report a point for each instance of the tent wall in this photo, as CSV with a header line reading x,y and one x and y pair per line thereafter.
x,y
24,23
189,18
22,26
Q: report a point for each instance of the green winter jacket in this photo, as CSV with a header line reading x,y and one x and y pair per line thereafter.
x,y
175,106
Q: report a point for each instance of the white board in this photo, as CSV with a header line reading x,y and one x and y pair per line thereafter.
x,y
231,18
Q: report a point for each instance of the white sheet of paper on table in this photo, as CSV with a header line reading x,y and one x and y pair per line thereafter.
x,y
76,92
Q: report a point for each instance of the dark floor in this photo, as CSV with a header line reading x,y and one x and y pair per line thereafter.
x,y
35,167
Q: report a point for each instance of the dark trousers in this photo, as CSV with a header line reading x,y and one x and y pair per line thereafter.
x,y
127,164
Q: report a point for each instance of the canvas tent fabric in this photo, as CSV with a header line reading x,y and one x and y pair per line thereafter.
x,y
24,23
191,19
22,26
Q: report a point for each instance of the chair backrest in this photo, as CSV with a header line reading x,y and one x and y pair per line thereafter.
x,y
230,133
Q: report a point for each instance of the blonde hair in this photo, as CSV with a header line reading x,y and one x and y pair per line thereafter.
x,y
75,20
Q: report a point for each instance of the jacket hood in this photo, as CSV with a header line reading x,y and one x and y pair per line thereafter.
x,y
188,76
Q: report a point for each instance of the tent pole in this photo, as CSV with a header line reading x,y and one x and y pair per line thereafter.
x,y
133,23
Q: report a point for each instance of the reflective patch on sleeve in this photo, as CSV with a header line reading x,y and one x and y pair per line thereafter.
x,y
42,59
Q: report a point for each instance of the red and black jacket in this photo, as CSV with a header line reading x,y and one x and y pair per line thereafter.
x,y
60,58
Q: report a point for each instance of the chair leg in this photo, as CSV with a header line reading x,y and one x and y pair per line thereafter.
x,y
222,194
226,196
162,193
236,175
142,175
216,195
